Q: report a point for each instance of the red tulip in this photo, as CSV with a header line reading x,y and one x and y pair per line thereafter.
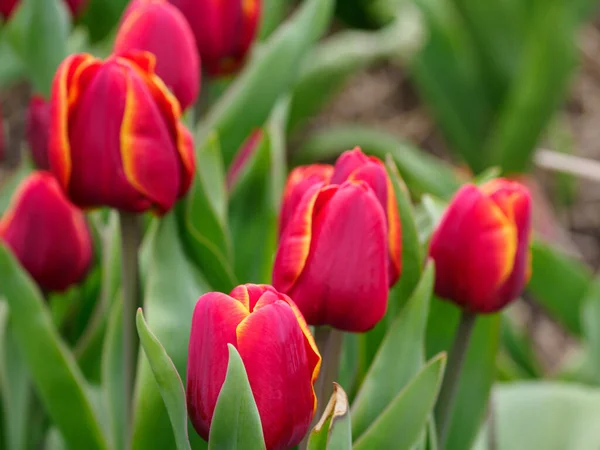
x,y
481,246
37,123
77,7
7,7
224,31
160,28
116,138
340,247
47,233
278,351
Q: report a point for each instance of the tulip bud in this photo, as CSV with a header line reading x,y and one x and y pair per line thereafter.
x,y
116,138
481,246
340,247
224,31
7,7
159,28
47,234
278,351
37,123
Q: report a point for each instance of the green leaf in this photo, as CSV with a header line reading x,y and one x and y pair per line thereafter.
x,y
38,32
334,430
236,423
401,424
15,385
203,221
329,66
478,370
101,17
420,171
544,415
399,358
249,100
590,320
559,283
520,348
272,14
168,380
54,371
172,289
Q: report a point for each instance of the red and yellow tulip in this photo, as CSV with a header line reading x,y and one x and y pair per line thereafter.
x,y
278,351
116,138
481,246
47,234
340,243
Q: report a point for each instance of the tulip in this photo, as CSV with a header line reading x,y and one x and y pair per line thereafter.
x,y
37,123
47,234
160,28
481,246
340,243
224,31
77,7
7,7
278,351
116,138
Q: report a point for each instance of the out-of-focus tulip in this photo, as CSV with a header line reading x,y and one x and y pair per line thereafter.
x,y
481,246
37,124
47,233
242,156
7,7
224,31
340,243
116,137
77,7
278,351
160,28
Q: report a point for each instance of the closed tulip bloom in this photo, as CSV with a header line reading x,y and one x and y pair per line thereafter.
x,y
160,28
77,7
278,351
481,246
47,234
7,7
37,124
224,31
116,138
340,247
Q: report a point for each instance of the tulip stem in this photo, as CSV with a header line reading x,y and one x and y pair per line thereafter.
x,y
445,403
130,239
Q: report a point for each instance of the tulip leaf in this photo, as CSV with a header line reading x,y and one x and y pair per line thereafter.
x,y
15,385
203,220
422,172
399,358
401,424
102,16
544,415
590,320
58,380
236,424
168,380
249,100
337,58
479,368
172,288
559,283
333,431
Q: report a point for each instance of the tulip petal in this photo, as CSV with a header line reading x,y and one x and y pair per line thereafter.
x,y
214,323
250,293
345,280
347,163
485,240
273,349
298,182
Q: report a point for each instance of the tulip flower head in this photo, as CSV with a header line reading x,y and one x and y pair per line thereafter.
x,y
481,246
7,7
116,138
47,234
278,351
37,123
158,27
224,31
340,242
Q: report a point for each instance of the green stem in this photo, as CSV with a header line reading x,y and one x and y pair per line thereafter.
x,y
130,239
329,342
445,403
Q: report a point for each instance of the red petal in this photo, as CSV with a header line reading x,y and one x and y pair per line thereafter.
x,y
272,346
299,181
37,129
347,163
474,249
345,281
216,317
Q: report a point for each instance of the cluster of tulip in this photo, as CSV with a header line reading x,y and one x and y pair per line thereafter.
x,y
112,135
